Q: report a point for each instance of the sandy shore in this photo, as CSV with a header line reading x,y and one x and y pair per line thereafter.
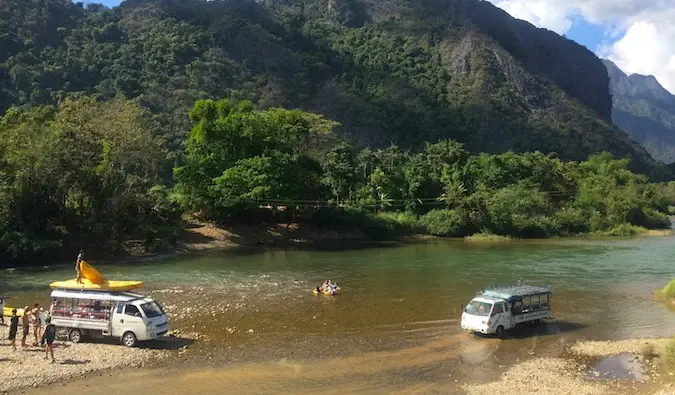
x,y
574,375
28,368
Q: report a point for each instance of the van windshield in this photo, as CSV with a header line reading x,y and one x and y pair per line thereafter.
x,y
478,308
152,309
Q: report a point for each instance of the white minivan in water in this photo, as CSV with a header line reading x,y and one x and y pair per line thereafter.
x,y
128,316
495,310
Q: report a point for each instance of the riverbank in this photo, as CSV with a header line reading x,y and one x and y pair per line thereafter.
x,y
574,372
200,237
580,372
25,368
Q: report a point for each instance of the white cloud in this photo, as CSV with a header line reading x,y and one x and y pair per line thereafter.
x,y
641,33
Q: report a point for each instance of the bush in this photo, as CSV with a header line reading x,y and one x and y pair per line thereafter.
x,y
651,219
487,237
376,226
624,230
647,351
572,221
446,222
668,291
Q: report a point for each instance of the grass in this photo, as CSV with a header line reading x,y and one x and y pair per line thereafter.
x,y
667,292
668,357
487,237
624,230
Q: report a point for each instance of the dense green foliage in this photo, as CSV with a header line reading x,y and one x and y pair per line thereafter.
x,y
443,109
390,72
242,162
83,173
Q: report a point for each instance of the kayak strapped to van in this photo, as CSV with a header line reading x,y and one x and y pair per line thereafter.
x,y
498,308
92,279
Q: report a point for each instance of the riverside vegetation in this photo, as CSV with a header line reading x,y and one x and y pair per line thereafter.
x,y
431,95
88,172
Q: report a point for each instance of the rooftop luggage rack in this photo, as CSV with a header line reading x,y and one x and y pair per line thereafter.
x,y
517,289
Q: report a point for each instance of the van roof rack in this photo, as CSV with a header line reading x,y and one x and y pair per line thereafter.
x,y
515,291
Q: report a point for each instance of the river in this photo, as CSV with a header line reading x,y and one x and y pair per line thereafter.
x,y
394,328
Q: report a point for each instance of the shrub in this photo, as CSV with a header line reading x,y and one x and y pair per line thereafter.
x,y
668,291
647,351
624,230
376,226
446,222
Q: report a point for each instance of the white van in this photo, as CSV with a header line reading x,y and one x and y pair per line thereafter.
x,y
495,310
128,316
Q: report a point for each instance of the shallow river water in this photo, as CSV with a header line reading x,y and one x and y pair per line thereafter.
x,y
395,327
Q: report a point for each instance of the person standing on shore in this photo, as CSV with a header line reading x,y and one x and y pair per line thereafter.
x,y
25,323
2,310
37,323
48,337
79,259
13,327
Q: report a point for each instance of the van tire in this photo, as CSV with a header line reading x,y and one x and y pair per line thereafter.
x,y
75,336
500,332
129,339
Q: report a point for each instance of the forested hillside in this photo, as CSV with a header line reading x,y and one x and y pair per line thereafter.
x,y
389,71
390,117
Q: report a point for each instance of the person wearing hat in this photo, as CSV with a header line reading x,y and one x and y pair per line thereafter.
x,y
48,337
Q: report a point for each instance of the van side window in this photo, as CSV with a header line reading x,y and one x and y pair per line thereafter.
x,y
499,308
132,310
120,306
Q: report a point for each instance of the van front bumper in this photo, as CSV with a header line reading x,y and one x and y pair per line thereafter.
x,y
484,330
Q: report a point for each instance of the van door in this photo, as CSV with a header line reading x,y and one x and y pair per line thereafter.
x,y
499,316
127,317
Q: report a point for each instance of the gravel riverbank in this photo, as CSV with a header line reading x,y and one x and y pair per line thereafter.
x,y
569,376
28,368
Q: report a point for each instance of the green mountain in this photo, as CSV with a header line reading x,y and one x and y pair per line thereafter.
x,y
643,108
390,71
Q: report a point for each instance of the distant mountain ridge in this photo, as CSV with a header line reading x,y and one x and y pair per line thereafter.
x,y
390,71
644,109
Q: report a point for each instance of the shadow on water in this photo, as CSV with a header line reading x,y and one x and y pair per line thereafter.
x,y
526,331
557,327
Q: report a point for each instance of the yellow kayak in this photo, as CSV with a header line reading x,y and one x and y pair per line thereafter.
x,y
7,312
91,274
106,285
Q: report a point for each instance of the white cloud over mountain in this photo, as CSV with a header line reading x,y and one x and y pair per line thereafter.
x,y
640,33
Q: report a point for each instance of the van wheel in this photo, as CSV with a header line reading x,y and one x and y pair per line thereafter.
x,y
129,339
500,332
75,336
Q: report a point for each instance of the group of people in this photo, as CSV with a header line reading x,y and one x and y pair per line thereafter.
x,y
328,287
43,329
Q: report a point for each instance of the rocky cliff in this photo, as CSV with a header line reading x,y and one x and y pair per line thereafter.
x,y
644,109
